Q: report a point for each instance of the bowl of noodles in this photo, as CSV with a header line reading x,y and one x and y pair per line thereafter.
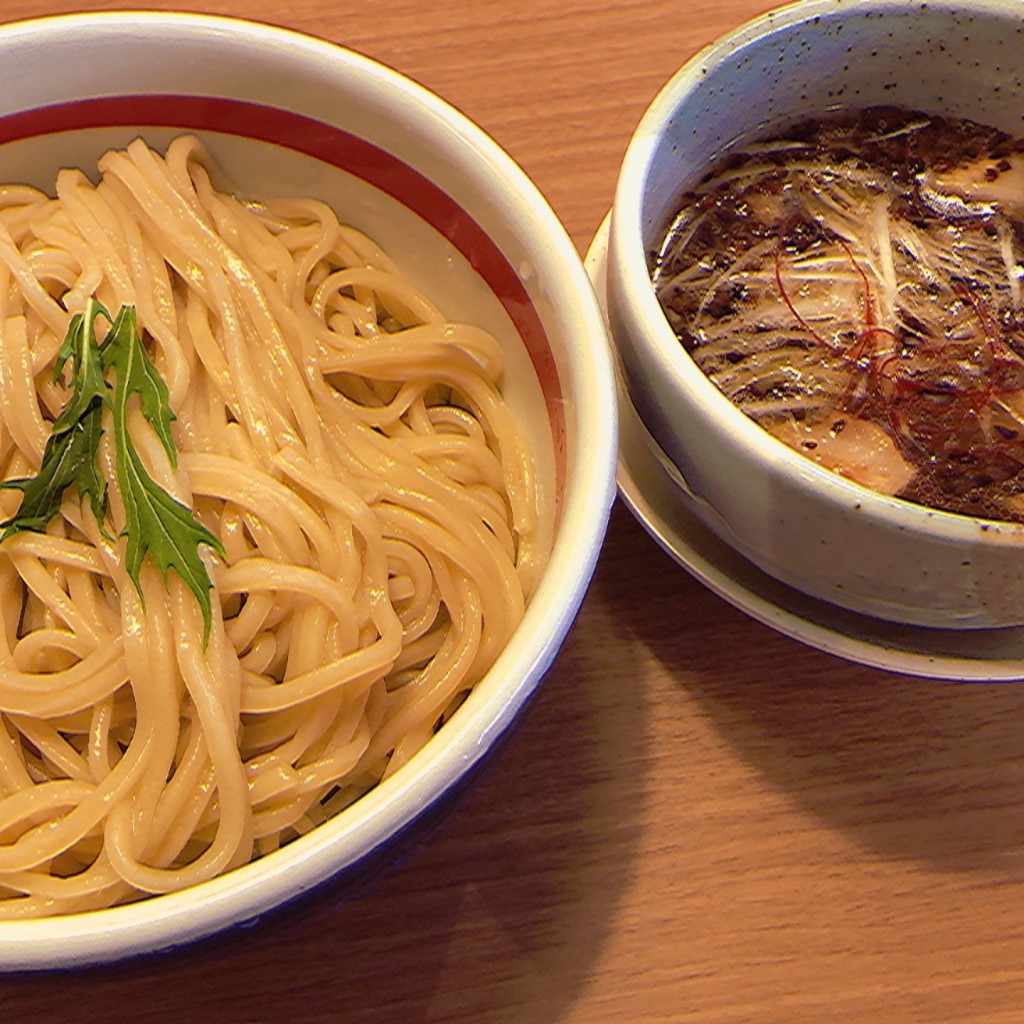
x,y
307,445
813,284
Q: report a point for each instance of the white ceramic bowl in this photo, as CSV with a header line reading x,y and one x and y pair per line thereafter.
x,y
810,528
286,114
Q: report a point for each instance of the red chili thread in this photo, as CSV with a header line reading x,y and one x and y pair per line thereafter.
x,y
799,319
869,316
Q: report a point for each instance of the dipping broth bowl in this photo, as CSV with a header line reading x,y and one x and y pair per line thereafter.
x,y
802,524
285,114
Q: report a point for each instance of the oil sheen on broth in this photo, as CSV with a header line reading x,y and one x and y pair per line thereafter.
x,y
853,284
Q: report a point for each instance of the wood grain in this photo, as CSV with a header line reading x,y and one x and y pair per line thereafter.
x,y
698,820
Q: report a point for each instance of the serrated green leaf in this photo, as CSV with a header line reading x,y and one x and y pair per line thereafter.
x,y
89,481
155,523
81,348
69,458
136,375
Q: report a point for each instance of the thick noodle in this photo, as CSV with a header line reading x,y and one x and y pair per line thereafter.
x,y
351,450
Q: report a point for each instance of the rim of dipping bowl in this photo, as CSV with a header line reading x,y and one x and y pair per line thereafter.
x,y
649,328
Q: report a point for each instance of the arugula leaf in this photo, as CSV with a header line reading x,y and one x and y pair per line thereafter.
x,y
69,457
87,369
124,351
155,523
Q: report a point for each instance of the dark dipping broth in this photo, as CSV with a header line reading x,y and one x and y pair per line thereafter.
x,y
854,286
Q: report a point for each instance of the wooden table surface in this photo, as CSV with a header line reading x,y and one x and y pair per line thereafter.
x,y
698,820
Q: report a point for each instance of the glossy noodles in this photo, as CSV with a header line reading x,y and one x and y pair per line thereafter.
x,y
348,447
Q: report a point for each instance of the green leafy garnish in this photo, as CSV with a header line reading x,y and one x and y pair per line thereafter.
x,y
70,453
69,458
155,523
89,387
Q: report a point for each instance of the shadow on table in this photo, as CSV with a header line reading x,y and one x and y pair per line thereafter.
x,y
498,914
913,768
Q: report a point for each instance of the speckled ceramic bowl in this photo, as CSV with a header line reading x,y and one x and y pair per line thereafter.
x,y
810,528
286,114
